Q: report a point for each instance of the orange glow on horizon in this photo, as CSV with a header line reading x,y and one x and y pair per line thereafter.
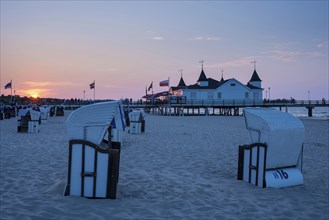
x,y
35,93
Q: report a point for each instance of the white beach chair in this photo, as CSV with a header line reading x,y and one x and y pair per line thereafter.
x,y
274,157
137,121
94,167
45,112
33,123
29,121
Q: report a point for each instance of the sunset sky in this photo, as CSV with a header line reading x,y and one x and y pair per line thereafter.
x,y
57,48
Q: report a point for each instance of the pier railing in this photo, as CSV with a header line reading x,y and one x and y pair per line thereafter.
x,y
232,103
202,103
246,103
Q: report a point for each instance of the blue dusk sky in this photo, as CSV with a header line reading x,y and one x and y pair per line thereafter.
x,y
57,48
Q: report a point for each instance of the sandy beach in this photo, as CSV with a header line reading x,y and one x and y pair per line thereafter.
x,y
180,168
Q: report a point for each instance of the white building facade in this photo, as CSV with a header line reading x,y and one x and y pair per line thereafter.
x,y
223,90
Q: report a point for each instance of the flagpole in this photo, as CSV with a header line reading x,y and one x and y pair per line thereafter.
x,y
94,91
169,96
11,91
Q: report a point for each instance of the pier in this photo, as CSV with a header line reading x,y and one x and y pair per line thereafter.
x,y
220,107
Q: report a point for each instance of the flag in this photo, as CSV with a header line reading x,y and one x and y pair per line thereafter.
x,y
164,82
8,86
151,86
92,85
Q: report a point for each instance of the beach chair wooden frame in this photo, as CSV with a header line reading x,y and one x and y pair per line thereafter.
x,y
252,165
89,178
105,173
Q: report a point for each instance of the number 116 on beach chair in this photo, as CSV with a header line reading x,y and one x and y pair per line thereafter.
x,y
275,156
94,133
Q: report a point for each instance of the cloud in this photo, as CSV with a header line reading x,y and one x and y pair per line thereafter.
x,y
150,32
288,56
109,69
157,38
234,63
206,38
47,84
284,46
323,44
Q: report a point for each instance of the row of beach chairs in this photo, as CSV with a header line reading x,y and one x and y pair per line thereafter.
x,y
31,117
273,158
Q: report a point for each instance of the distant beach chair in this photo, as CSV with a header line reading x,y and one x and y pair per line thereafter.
x,y
52,111
2,114
45,112
137,121
59,110
93,167
29,121
8,112
275,156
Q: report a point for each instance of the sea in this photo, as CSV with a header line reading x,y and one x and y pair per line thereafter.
x,y
318,112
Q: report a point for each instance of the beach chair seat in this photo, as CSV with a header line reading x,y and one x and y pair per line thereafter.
x,y
274,157
95,138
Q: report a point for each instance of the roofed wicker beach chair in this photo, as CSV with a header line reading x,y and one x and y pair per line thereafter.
x,y
45,113
29,120
275,156
59,110
137,121
93,166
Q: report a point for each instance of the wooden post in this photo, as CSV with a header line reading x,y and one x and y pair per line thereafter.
x,y
310,111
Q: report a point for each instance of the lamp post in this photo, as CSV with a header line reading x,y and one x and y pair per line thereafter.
x,y
84,95
269,94
309,96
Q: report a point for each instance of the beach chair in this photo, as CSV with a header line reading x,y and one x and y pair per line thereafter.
x,y
23,124
29,121
275,156
52,111
59,110
34,121
7,112
45,112
137,121
93,167
2,114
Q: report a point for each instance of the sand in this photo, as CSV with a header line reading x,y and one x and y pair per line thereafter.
x,y
181,168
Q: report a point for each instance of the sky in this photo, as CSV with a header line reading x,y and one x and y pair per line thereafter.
x,y
57,48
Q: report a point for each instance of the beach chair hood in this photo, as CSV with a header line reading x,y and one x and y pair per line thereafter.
x,y
282,132
92,121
